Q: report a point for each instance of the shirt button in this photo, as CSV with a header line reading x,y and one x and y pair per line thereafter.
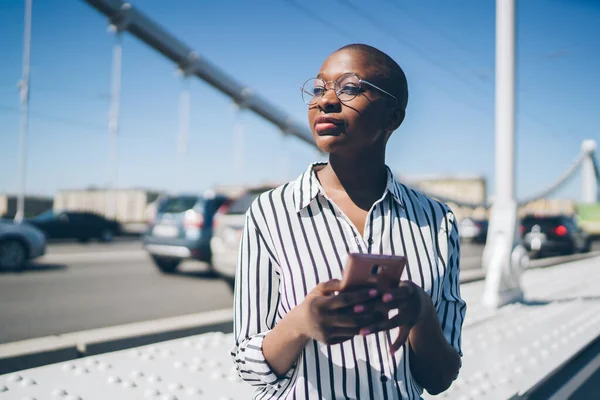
x,y
370,241
383,378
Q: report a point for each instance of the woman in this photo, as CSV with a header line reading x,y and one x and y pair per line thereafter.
x,y
296,336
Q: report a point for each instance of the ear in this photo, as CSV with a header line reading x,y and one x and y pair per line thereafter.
x,y
395,120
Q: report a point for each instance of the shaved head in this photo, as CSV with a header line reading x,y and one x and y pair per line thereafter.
x,y
387,71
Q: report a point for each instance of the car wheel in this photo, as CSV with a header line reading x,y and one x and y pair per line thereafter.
x,y
166,265
13,255
587,247
107,235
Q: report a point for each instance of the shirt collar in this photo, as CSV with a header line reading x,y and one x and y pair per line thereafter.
x,y
307,187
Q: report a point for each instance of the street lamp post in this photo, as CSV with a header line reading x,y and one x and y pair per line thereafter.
x,y
504,257
113,122
184,128
24,94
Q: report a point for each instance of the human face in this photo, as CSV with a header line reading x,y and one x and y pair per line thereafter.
x,y
353,126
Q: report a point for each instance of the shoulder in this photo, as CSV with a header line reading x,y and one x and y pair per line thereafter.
x,y
439,214
271,203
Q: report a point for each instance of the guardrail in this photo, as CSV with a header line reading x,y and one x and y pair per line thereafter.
x,y
32,353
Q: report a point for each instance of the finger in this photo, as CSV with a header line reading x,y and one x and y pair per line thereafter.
x,y
329,287
402,292
346,299
340,332
356,321
394,322
368,307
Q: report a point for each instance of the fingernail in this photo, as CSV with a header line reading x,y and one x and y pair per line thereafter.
x,y
373,292
364,332
359,308
387,298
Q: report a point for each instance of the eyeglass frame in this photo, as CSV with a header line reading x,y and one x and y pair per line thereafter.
x,y
360,81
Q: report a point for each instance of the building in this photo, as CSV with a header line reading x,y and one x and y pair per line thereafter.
x,y
34,205
462,194
128,206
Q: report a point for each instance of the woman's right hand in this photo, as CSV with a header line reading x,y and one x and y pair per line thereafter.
x,y
332,318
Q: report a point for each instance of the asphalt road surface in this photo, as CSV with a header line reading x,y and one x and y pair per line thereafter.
x,y
87,286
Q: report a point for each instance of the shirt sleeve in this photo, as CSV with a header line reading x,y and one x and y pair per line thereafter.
x,y
256,299
452,308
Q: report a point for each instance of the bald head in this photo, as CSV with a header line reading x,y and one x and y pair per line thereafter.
x,y
387,72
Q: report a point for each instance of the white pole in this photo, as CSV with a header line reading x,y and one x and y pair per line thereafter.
x,y
505,101
184,127
113,125
24,93
589,181
238,145
504,256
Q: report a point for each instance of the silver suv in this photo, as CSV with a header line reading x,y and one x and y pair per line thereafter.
x,y
228,229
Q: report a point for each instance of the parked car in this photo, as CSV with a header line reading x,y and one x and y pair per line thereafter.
x,y
473,230
228,228
79,225
181,230
19,243
558,234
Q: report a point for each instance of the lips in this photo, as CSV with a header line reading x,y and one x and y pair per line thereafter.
x,y
326,125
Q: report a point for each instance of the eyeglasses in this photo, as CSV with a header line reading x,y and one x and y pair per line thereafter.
x,y
346,88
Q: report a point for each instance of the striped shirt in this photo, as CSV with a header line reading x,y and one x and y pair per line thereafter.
x,y
296,237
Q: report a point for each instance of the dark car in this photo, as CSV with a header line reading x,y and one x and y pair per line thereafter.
x,y
557,234
79,225
182,230
473,230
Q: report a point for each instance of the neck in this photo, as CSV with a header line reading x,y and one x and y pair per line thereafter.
x,y
363,176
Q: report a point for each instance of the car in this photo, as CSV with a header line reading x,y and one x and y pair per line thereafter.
x,y
473,230
555,234
19,243
80,225
181,229
228,228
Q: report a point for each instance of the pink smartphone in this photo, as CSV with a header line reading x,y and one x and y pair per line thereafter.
x,y
366,269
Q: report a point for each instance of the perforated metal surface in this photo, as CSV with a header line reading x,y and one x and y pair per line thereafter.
x,y
509,350
197,367
505,351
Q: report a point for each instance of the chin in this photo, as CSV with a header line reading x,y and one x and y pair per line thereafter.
x,y
329,144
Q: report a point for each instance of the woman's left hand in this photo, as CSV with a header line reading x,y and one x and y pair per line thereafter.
x,y
412,304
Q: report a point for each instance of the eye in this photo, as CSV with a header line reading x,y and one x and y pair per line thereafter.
x,y
350,89
318,91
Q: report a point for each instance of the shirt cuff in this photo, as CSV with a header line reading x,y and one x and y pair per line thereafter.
x,y
254,362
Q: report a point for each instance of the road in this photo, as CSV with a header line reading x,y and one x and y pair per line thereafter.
x,y
78,286
87,286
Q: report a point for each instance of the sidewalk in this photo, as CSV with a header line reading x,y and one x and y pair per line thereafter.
x,y
506,352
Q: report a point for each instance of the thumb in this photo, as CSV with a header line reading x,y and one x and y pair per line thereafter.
x,y
330,287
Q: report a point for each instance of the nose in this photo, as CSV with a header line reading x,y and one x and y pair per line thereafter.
x,y
329,102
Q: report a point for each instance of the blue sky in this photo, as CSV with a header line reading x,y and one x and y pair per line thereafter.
x,y
446,49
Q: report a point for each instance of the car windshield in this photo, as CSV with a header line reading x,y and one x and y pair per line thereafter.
x,y
179,204
241,205
45,216
545,223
